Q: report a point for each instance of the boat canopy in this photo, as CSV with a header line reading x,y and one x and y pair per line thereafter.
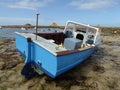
x,y
80,24
76,27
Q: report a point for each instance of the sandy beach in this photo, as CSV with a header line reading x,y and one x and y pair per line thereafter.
x,y
101,71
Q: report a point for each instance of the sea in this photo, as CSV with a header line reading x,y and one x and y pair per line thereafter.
x,y
10,32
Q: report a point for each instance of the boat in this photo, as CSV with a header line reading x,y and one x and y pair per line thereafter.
x,y
0,27
55,53
22,28
34,28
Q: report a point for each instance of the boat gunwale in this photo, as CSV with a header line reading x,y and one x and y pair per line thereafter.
x,y
73,51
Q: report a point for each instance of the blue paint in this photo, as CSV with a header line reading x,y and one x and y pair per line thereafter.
x,y
41,55
21,53
47,62
67,62
21,45
44,70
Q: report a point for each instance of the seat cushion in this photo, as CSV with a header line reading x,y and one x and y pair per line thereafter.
x,y
72,43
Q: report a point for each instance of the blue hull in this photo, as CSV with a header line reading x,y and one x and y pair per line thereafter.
x,y
52,65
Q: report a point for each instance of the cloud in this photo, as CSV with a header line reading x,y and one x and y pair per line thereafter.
x,y
15,20
28,4
93,4
22,21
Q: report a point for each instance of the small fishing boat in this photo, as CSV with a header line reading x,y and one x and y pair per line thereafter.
x,y
22,28
34,28
58,52
0,27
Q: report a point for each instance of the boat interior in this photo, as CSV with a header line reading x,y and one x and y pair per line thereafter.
x,y
57,37
75,36
67,39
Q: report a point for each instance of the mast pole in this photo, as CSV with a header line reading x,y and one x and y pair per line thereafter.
x,y
37,24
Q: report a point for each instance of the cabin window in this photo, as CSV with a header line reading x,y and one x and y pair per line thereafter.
x,y
80,36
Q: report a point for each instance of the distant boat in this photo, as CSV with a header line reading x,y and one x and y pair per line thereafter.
x,y
49,29
0,27
57,52
22,28
42,30
35,28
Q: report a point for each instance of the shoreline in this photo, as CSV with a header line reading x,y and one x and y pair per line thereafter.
x,y
19,26
104,30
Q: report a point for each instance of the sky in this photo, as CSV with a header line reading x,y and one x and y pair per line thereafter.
x,y
92,12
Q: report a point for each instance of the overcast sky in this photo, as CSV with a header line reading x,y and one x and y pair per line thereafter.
x,y
93,12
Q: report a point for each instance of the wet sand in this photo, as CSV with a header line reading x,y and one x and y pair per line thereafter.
x,y
101,71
